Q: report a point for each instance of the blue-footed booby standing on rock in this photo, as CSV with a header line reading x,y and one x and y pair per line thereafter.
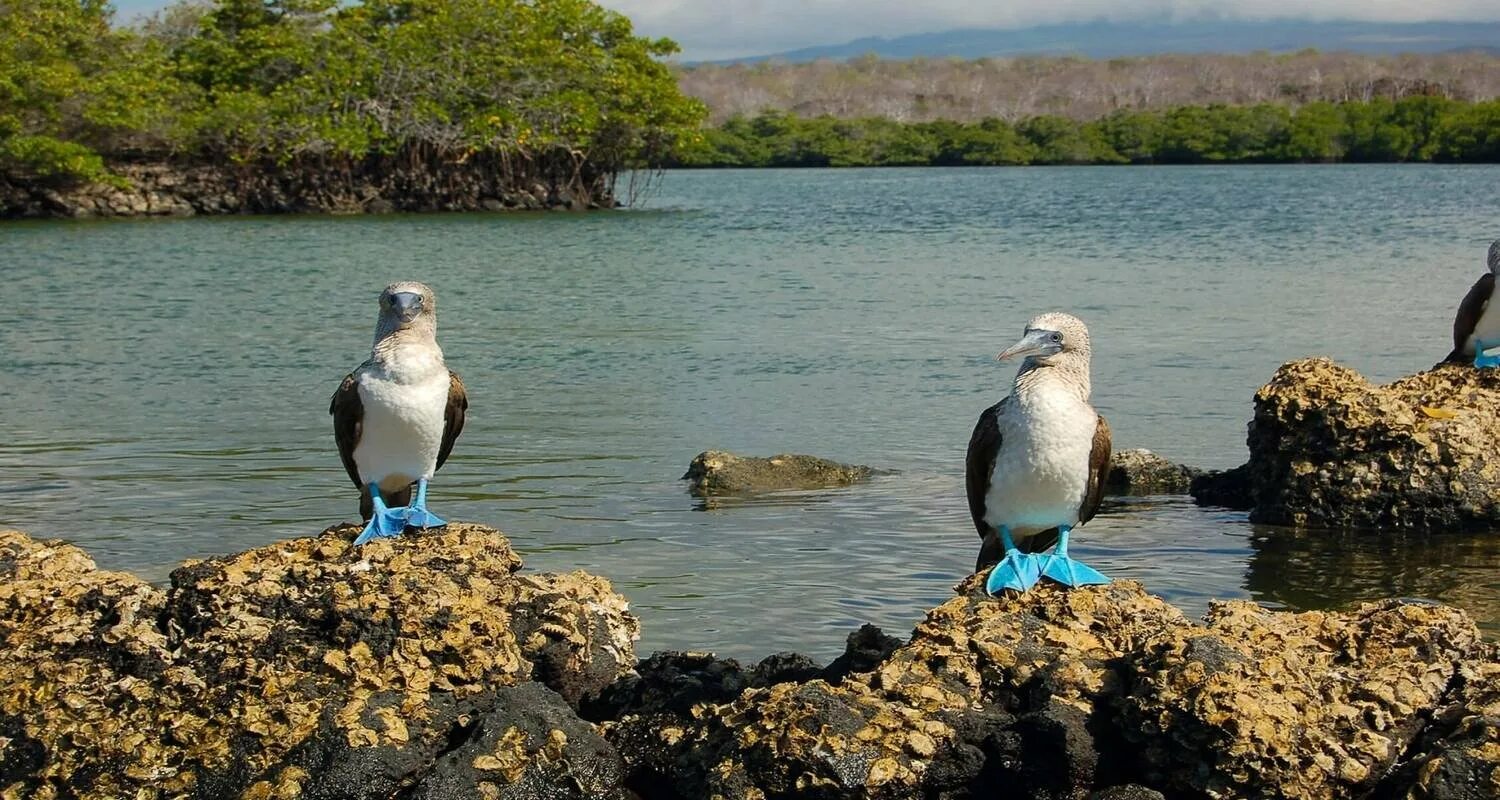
x,y
1038,460
395,418
1476,327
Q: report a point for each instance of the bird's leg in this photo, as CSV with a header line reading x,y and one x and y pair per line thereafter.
x,y
1017,570
1482,355
384,522
417,515
1059,567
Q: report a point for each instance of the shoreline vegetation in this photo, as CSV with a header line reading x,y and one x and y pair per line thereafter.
x,y
1412,129
1303,107
319,105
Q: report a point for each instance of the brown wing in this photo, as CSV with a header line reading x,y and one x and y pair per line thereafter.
x,y
1469,312
984,445
348,422
453,415
1098,471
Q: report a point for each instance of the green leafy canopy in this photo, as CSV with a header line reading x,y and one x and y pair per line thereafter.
x,y
295,79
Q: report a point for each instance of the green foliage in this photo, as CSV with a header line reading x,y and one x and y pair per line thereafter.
x,y
991,142
1058,140
565,82
1470,133
68,83
1135,136
1412,129
1317,133
50,159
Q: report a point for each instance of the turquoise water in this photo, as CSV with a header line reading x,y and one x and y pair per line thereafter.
x,y
164,384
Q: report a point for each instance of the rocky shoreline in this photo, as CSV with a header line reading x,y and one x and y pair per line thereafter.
x,y
177,190
432,666
1330,449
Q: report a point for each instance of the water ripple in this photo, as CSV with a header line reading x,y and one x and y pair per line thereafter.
x,y
157,408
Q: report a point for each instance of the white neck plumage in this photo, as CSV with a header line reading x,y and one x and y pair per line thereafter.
x,y
413,349
1066,372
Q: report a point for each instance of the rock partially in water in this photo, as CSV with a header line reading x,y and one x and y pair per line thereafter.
x,y
1140,471
379,184
1330,449
1103,691
307,668
719,472
1228,488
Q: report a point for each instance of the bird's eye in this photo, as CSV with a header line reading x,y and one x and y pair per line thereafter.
x,y
1056,338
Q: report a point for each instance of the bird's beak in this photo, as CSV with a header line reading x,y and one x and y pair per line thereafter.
x,y
407,305
1034,343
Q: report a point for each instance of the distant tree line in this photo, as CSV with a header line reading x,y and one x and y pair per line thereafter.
x,y
1411,129
555,88
1016,89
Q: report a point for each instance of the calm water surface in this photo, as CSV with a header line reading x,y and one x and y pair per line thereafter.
x,y
164,384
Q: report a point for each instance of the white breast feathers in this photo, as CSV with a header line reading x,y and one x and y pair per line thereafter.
x,y
1041,473
403,420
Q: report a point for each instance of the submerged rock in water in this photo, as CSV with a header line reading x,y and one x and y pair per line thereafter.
x,y
718,472
1102,691
1330,449
1141,471
307,668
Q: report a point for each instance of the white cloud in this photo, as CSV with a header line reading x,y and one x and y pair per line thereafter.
x,y
710,29
728,28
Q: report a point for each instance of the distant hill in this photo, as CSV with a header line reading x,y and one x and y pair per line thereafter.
x,y
1114,39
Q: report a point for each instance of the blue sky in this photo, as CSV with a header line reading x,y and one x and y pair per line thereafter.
x,y
709,29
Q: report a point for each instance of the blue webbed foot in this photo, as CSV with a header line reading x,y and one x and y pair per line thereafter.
x,y
421,518
1484,359
385,522
417,515
1017,570
1066,571
1069,572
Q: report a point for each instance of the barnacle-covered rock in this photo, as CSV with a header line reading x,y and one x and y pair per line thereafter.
x,y
1458,754
1095,692
529,746
1330,449
718,472
89,685
1312,705
307,668
578,634
428,666
986,693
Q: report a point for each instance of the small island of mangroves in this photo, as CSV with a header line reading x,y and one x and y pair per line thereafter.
x,y
242,106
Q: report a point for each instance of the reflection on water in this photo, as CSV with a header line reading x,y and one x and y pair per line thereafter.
x,y
1334,569
164,394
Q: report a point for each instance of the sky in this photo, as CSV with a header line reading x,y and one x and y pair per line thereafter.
x,y
716,29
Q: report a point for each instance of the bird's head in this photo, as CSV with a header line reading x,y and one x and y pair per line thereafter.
x,y
1051,339
1494,259
405,305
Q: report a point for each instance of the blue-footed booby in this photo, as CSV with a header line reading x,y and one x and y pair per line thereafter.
x,y
1038,460
395,418
1476,327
